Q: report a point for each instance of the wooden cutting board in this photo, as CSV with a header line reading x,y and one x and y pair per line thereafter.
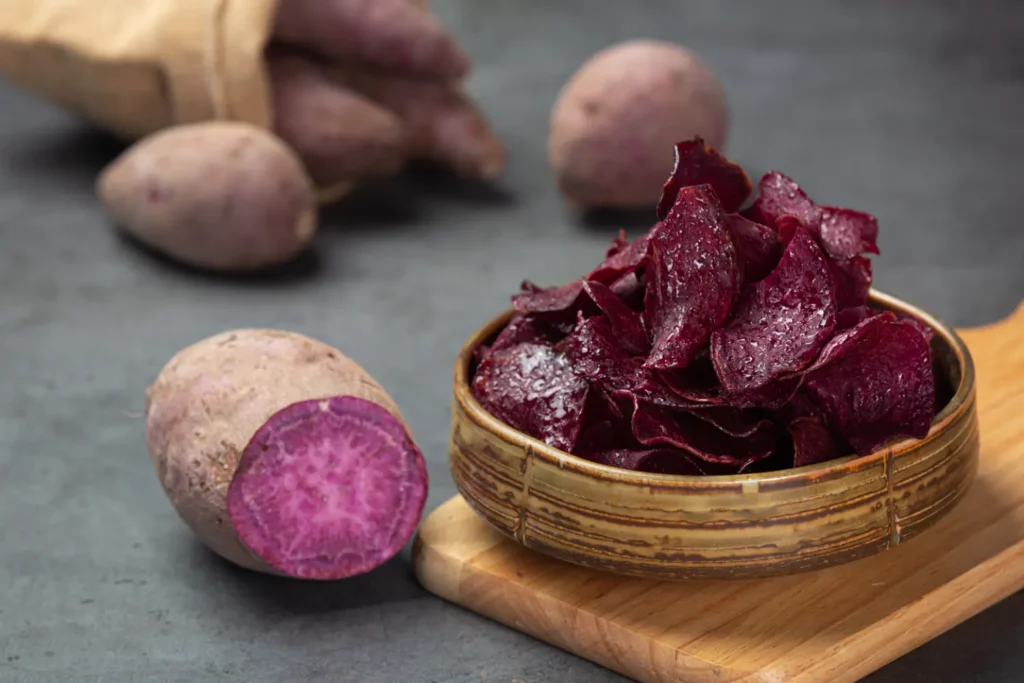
x,y
837,624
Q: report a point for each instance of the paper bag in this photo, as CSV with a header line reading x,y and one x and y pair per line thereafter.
x,y
136,66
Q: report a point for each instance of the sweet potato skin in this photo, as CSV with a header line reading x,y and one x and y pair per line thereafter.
x,y
614,124
443,124
211,397
340,135
217,195
392,35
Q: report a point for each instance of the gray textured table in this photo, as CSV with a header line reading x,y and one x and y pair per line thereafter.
x,y
912,110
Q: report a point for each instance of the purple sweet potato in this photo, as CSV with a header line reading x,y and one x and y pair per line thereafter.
x,y
442,123
341,136
217,195
328,488
284,456
616,120
392,35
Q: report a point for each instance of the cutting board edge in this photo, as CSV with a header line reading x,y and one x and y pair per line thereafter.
x,y
970,593
966,596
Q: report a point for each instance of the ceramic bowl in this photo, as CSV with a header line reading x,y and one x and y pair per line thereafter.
x,y
736,526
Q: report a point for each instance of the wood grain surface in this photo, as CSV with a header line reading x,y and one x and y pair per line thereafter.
x,y
835,624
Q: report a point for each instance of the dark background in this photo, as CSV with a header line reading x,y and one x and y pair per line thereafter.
x,y
913,111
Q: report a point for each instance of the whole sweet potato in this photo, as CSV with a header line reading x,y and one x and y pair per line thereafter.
x,y
393,35
614,125
216,195
283,455
340,135
443,124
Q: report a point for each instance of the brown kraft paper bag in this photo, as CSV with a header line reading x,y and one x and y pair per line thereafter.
x,y
135,66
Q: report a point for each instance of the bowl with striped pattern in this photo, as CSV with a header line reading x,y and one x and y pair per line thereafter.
x,y
715,527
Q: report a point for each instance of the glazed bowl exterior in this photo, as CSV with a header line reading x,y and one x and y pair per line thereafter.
x,y
735,526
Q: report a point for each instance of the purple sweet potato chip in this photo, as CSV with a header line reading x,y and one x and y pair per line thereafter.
x,y
848,317
519,329
697,385
787,226
843,341
780,323
774,394
621,261
630,289
734,421
692,278
660,426
651,460
534,389
843,233
786,395
598,357
698,164
619,242
697,382
522,328
646,386
874,382
812,442
847,233
925,329
852,280
540,300
596,353
605,434
800,404
625,323
758,247
778,195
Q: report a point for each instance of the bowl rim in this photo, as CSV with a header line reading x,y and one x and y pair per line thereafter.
x,y
953,409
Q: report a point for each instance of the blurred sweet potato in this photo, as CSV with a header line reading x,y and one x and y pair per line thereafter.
x,y
443,124
393,35
616,121
340,135
216,195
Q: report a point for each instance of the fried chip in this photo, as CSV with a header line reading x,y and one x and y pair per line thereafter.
x,y
781,322
692,280
698,164
535,389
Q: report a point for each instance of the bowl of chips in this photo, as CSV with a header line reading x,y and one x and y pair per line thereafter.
x,y
724,396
